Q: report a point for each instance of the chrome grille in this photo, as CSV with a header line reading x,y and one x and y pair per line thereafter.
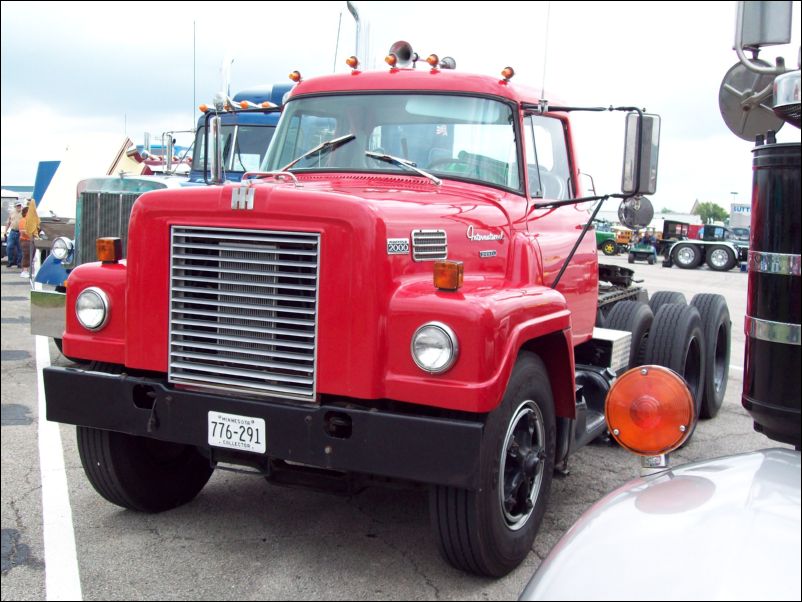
x,y
429,245
102,214
243,310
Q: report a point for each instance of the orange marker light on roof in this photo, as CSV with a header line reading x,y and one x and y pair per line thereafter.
x,y
507,73
448,275
391,59
352,62
203,108
243,104
109,249
649,410
295,76
433,60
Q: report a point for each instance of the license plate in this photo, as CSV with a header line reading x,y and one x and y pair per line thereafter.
x,y
242,433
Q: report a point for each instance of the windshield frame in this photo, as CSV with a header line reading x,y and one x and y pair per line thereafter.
x,y
512,105
199,162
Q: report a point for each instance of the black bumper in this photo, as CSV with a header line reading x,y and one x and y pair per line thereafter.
x,y
420,448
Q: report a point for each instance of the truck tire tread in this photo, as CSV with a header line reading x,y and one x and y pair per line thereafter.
x,y
718,329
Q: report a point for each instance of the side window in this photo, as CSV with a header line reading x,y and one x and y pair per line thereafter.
x,y
547,158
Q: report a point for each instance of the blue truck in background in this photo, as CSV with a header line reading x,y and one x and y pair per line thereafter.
x,y
103,204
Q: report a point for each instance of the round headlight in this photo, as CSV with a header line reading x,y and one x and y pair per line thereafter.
x,y
92,308
434,347
61,249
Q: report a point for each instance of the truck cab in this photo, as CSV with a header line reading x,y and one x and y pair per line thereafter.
x,y
402,292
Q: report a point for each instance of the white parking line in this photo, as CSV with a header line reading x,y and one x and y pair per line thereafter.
x,y
62,579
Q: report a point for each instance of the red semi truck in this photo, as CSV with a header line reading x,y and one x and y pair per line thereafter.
x,y
404,292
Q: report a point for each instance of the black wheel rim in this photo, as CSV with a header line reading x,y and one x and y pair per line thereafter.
x,y
522,464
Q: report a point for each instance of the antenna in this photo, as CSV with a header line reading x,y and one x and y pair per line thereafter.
x,y
545,50
193,76
337,45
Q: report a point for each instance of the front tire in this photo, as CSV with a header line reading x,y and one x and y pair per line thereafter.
x,y
140,473
490,531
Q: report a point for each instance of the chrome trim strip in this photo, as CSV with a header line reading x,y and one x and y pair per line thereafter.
x,y
773,332
775,263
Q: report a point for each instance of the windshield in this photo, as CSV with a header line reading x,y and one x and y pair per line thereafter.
x,y
451,136
244,147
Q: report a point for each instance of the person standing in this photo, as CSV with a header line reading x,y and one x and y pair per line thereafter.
x,y
12,231
25,243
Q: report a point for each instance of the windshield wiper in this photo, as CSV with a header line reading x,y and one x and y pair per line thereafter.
x,y
323,147
403,163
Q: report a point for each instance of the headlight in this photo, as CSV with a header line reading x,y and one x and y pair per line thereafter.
x,y
434,347
92,308
61,249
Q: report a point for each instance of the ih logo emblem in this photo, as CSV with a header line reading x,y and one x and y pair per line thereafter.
x,y
242,197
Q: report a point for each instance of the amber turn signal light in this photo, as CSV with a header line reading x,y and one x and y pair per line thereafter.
x,y
109,249
352,62
295,76
391,60
649,410
448,275
507,73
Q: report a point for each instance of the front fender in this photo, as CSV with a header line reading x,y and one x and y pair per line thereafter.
x,y
52,272
107,344
491,322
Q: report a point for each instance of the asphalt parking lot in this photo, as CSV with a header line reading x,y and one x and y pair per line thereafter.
x,y
242,538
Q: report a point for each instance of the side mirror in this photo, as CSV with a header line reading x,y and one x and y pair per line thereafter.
x,y
763,24
215,137
641,149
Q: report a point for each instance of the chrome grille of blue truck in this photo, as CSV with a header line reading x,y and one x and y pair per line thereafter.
x,y
243,310
102,214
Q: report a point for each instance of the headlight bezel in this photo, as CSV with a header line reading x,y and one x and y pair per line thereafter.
x,y
104,304
57,249
441,329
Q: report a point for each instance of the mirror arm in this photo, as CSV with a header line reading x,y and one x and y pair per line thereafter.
x,y
584,199
581,235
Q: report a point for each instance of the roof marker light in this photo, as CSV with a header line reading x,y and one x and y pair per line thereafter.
x,y
433,60
352,62
507,73
392,60
295,76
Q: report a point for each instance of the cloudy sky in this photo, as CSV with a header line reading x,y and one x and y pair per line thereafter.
x,y
97,72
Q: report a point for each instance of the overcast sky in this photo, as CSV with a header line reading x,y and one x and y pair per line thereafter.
x,y
84,72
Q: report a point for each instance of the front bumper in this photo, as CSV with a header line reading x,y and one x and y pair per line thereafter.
x,y
48,315
414,447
